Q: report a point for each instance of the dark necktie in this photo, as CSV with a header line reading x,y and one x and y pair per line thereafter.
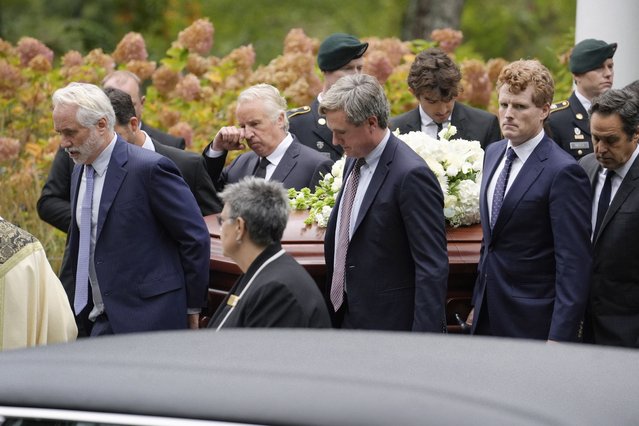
x,y
81,297
260,172
339,274
439,129
604,201
500,187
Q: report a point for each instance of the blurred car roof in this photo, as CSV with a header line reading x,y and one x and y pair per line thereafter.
x,y
328,377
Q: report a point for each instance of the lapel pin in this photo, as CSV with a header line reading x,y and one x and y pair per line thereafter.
x,y
579,116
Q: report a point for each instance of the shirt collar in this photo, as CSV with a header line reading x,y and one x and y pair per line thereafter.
x,y
277,154
373,157
427,120
524,150
584,101
148,142
100,164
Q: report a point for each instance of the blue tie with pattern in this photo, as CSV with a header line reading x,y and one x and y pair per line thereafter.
x,y
84,252
500,187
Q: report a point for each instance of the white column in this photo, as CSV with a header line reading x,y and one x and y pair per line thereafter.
x,y
613,21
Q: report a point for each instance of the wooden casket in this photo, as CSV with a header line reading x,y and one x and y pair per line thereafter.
x,y
306,244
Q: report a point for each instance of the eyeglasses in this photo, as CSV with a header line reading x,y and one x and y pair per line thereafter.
x,y
221,220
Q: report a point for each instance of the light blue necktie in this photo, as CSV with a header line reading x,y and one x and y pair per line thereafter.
x,y
500,187
84,252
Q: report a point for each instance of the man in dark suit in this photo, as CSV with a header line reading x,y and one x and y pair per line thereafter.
x,y
591,65
339,55
131,84
275,153
138,249
614,172
534,267
385,244
434,79
190,164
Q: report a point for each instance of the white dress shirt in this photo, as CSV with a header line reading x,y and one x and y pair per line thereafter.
x,y
428,124
523,151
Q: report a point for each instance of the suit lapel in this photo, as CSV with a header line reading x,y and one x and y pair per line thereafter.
x,y
381,171
288,161
529,172
113,180
458,119
627,186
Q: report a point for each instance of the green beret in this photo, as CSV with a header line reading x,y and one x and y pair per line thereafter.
x,y
338,50
590,54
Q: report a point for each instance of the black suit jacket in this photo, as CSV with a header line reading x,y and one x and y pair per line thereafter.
x,y
54,202
614,292
301,167
569,126
163,138
471,124
283,294
310,128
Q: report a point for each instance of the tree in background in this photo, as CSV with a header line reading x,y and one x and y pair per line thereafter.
x,y
424,16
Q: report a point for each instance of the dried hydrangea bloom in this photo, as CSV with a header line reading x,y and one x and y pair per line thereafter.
x,y
168,118
40,63
143,69
243,57
99,59
10,79
299,93
9,149
197,64
29,47
189,88
476,84
296,41
72,58
6,48
392,47
378,64
447,39
198,37
184,130
494,67
165,80
130,48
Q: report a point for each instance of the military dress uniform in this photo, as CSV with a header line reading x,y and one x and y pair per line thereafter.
x,y
310,128
569,126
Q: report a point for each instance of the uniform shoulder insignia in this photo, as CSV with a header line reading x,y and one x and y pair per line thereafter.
x,y
297,111
559,106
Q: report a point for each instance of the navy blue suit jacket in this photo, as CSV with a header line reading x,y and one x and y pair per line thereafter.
x,y
152,246
535,265
300,167
397,261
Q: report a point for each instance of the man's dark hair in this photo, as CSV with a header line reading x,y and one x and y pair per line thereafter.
x,y
434,71
621,102
633,87
122,105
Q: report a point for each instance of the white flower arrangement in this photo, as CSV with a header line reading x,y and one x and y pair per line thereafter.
x,y
456,163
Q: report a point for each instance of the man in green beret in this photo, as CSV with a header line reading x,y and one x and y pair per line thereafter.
x,y
591,65
339,55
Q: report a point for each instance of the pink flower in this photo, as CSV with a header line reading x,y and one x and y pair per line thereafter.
x,y
72,58
476,84
297,41
165,80
447,39
29,47
10,78
40,63
189,88
9,149
130,48
198,37
99,59
197,65
143,69
378,64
